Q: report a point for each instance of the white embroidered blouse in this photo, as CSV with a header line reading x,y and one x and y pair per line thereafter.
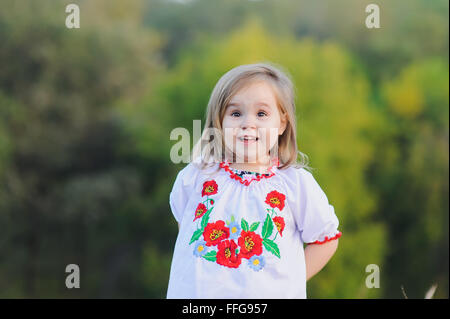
x,y
241,235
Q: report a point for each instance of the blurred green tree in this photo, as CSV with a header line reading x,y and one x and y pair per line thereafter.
x,y
411,174
69,194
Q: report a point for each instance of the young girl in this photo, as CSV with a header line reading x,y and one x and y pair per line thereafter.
x,y
244,206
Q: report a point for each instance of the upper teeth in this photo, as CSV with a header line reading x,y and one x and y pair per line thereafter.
x,y
248,138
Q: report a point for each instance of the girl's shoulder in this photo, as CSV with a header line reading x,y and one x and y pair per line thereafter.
x,y
300,180
193,171
295,174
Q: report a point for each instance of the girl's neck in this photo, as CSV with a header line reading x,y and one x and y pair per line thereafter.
x,y
258,167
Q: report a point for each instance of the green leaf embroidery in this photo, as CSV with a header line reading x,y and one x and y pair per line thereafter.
x,y
267,227
254,226
230,221
211,256
271,246
244,225
196,235
205,218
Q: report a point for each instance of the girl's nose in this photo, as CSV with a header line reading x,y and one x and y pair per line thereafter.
x,y
248,122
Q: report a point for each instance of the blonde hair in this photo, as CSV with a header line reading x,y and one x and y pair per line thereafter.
x,y
227,86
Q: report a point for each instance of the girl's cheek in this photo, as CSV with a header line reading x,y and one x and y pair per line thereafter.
x,y
229,136
271,137
269,134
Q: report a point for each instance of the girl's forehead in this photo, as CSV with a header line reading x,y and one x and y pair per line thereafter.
x,y
259,92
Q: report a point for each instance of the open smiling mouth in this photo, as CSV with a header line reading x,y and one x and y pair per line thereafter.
x,y
248,139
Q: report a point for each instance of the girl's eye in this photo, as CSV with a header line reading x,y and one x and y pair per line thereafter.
x,y
261,114
235,113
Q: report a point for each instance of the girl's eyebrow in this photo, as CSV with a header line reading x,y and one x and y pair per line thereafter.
x,y
238,104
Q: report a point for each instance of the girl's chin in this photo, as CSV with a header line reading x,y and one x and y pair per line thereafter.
x,y
248,153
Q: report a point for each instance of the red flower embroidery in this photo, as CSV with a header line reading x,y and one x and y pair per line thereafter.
x,y
209,188
226,254
200,211
275,199
250,243
279,222
215,232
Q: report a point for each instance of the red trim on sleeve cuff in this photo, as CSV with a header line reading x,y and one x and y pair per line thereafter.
x,y
339,234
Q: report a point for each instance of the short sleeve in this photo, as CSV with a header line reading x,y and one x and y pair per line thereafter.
x,y
315,218
179,196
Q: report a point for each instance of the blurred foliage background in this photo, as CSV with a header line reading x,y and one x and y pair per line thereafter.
x,y
85,118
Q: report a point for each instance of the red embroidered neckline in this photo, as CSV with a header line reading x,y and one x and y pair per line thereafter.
x,y
225,165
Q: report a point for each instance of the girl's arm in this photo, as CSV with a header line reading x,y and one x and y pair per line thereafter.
x,y
317,256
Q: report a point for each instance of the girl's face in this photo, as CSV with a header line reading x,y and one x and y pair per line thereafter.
x,y
252,123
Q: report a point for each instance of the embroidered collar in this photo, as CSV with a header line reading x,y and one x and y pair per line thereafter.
x,y
244,177
242,173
